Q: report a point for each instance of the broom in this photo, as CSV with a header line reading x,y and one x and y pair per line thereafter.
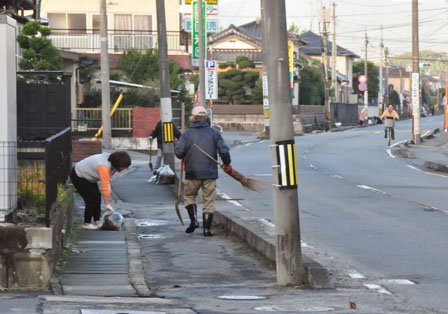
x,y
179,192
246,182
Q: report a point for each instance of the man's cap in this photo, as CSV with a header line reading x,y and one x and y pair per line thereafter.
x,y
199,111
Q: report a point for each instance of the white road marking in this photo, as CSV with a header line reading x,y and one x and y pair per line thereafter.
x,y
229,199
375,287
311,166
396,282
336,176
306,245
366,187
356,275
389,152
430,173
266,222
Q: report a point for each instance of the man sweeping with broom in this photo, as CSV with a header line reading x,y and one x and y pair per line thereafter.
x,y
201,171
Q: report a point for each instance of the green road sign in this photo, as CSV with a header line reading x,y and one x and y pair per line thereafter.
x,y
195,30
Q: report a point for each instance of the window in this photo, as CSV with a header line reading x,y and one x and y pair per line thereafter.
x,y
123,31
76,22
143,34
57,22
96,24
62,22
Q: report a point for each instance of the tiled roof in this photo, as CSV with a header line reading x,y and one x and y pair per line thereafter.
x,y
314,46
227,55
250,31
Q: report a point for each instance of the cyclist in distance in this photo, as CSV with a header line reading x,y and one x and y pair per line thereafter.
x,y
390,113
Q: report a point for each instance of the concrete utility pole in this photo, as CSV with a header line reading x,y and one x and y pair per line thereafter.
x,y
264,80
324,19
445,113
105,84
165,89
286,205
37,10
366,92
386,77
201,56
415,85
380,92
334,56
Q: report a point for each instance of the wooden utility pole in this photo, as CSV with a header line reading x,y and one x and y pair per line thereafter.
x,y
286,204
415,85
105,84
165,88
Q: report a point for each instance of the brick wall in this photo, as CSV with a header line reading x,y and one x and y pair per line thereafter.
x,y
144,120
82,149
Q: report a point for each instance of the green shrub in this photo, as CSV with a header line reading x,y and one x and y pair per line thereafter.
x,y
31,188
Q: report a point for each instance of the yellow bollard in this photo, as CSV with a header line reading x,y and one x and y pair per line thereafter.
x,y
112,111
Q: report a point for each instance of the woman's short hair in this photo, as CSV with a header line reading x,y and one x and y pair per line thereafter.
x,y
119,160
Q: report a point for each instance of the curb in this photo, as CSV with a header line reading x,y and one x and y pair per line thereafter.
x,y
316,276
136,273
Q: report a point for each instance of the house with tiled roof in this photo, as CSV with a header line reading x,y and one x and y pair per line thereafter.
x,y
244,40
344,59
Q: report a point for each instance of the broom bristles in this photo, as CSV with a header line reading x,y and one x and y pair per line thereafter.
x,y
247,182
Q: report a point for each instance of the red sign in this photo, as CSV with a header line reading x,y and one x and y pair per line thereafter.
x,y
362,87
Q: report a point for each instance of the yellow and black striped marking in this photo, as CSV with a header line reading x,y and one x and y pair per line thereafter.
x,y
168,132
286,159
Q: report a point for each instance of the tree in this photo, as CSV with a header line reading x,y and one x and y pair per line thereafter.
x,y
372,78
236,84
394,98
311,86
294,28
38,52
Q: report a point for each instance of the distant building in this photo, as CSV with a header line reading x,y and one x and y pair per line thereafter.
x,y
344,59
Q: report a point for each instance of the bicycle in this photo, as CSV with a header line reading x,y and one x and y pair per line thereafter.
x,y
389,124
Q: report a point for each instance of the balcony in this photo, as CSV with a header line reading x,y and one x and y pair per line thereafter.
x,y
89,41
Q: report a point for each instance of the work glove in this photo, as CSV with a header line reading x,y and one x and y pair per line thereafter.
x,y
109,208
227,169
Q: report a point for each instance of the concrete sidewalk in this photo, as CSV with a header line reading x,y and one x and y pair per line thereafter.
x,y
431,154
107,270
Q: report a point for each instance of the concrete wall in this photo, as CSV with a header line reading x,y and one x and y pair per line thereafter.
x,y
28,255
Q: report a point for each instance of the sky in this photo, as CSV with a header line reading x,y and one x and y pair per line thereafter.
x,y
355,18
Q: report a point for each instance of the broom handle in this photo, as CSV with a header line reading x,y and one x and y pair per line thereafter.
x,y
208,155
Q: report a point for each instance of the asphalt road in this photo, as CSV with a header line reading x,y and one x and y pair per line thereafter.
x,y
375,214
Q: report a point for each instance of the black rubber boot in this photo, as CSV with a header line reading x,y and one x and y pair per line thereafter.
x,y
207,223
192,209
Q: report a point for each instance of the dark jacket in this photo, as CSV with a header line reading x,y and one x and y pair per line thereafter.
x,y
198,165
158,133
